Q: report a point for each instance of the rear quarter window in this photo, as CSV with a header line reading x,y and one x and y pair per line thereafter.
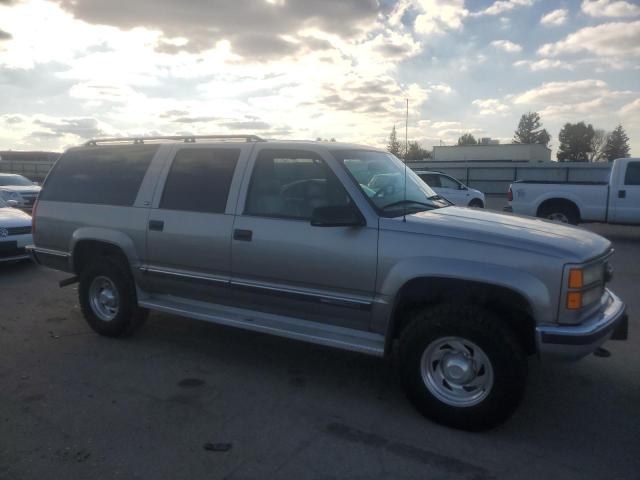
x,y
632,176
109,175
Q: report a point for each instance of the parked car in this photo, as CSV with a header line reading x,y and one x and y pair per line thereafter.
x,y
453,190
614,201
15,232
19,189
294,239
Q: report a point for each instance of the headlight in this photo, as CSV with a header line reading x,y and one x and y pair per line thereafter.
x,y
585,285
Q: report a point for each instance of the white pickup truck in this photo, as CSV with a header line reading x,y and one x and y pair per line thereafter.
x,y
616,201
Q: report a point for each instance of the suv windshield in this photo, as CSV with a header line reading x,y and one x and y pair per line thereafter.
x,y
14,180
381,177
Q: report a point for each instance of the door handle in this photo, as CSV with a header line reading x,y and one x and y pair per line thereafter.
x,y
622,194
157,225
243,235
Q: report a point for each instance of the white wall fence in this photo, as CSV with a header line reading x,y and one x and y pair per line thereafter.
x,y
35,171
495,177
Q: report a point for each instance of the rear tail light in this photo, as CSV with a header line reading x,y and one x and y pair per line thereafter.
x,y
510,195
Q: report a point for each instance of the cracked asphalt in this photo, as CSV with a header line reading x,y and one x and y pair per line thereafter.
x,y
74,405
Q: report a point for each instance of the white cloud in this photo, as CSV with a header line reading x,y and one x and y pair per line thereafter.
x,y
544,64
569,100
490,106
506,46
437,16
501,6
610,8
617,39
555,18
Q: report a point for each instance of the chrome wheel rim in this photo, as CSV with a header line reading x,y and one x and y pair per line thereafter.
x,y
456,371
558,217
104,298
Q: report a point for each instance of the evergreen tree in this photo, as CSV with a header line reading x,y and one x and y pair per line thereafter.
x,y
617,145
530,130
394,146
467,139
576,142
416,152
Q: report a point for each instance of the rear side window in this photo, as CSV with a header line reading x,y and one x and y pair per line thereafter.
x,y
199,180
108,175
632,177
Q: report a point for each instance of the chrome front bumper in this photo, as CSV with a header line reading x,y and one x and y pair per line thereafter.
x,y
572,342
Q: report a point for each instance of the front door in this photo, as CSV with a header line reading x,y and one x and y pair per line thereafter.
x,y
626,197
190,224
282,264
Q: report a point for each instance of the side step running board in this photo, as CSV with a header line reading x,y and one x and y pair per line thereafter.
x,y
313,332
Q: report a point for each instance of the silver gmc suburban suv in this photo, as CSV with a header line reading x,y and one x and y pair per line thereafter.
x,y
295,239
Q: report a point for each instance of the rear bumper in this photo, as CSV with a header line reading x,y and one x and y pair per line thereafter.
x,y
572,342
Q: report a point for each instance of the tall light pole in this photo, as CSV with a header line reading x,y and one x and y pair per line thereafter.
x,y
406,133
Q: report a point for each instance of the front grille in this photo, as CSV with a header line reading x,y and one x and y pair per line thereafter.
x,y
19,230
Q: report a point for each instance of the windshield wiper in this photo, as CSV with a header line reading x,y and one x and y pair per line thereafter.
x,y
402,202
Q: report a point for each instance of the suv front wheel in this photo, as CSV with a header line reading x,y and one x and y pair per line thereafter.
x,y
462,366
108,300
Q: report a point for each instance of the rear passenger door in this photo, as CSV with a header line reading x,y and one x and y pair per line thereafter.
x,y
284,265
190,222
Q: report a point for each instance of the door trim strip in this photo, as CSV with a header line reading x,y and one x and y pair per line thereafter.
x,y
334,300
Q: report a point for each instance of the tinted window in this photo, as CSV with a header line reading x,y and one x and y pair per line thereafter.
x,y
291,184
105,175
199,180
430,179
632,177
447,182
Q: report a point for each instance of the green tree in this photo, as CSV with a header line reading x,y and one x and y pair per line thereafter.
x,y
617,145
575,142
467,139
394,146
530,130
416,152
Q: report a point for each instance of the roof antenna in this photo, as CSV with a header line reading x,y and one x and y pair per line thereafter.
x,y
406,154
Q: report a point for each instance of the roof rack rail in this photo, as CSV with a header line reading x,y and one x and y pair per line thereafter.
x,y
184,138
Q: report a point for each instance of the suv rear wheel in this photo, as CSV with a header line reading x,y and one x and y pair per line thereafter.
x,y
462,366
108,300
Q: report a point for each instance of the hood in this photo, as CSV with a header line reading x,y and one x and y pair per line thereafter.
x,y
511,231
12,217
21,188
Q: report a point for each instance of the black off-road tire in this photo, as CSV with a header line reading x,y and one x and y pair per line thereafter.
x,y
487,331
129,316
553,211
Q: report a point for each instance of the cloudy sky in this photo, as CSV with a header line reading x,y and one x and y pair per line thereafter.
x,y
76,69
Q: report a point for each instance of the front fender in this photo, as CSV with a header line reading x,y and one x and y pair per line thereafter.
x,y
528,286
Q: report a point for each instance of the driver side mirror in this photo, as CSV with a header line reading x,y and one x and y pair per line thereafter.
x,y
337,216
12,203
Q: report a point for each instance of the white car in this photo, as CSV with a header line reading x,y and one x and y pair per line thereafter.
x,y
19,189
15,232
453,190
